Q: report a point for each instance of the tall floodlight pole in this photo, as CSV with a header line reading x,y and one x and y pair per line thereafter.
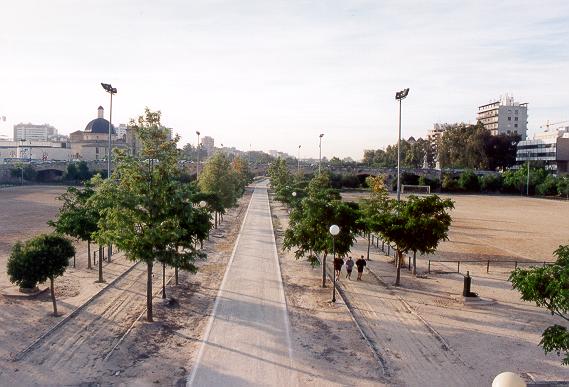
x,y
111,90
320,153
198,159
298,168
399,96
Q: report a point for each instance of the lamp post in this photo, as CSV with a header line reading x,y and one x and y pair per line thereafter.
x,y
198,158
399,96
298,168
111,90
334,230
320,153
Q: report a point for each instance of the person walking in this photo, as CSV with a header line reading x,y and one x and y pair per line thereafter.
x,y
360,263
349,267
338,263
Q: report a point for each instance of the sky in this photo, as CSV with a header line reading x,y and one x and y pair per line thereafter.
x,y
275,74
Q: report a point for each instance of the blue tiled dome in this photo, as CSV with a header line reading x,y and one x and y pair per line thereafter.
x,y
99,125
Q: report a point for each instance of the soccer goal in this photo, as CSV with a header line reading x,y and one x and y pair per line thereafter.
x,y
415,189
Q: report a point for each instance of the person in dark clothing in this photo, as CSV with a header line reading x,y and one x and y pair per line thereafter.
x,y
349,266
338,263
360,263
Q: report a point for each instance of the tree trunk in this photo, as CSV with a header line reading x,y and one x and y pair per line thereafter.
x,y
52,287
89,254
215,219
109,252
414,263
368,244
74,260
101,264
163,280
176,275
398,265
149,292
324,270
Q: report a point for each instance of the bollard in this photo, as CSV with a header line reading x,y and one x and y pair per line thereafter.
x,y
409,265
466,287
458,267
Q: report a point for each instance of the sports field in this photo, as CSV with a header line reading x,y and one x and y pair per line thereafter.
x,y
499,227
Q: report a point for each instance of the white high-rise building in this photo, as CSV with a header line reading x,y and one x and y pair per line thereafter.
x,y
504,116
31,132
208,143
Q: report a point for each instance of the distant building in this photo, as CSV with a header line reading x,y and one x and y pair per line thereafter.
x,y
33,132
436,133
551,147
504,116
121,131
92,143
34,150
208,144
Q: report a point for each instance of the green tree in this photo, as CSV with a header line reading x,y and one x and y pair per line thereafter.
x,y
219,178
141,192
39,259
373,207
417,225
548,288
77,218
71,173
309,224
548,187
563,186
468,181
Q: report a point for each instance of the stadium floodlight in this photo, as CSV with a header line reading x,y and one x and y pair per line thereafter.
x,y
399,96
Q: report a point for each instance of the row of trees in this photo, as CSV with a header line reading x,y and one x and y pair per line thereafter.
x,y
460,146
417,224
144,209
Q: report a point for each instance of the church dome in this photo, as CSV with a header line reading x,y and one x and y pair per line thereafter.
x,y
99,125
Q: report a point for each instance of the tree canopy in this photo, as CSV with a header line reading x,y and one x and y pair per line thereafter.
x,y
548,287
43,257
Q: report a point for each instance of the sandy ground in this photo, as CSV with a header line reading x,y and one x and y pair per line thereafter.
x,y
500,332
327,346
82,349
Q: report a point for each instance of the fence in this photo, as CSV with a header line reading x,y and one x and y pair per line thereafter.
x,y
487,262
391,252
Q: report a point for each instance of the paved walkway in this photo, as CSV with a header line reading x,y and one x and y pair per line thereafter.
x,y
414,354
247,341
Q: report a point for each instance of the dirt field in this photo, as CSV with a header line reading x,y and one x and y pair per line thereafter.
x,y
159,352
497,332
498,227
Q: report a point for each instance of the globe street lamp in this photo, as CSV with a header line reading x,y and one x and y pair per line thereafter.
x,y
508,379
320,153
399,96
334,230
198,159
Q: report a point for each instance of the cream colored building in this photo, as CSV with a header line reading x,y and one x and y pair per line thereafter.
x,y
92,143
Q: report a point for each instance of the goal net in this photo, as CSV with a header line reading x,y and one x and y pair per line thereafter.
x,y
415,189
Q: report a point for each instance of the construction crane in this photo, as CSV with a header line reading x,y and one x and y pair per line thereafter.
x,y
546,126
